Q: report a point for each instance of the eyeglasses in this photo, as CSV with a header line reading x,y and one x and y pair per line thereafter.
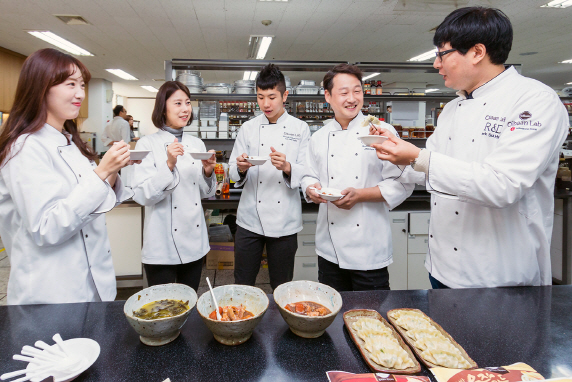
x,y
441,54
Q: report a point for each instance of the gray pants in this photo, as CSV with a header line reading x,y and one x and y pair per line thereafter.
x,y
248,248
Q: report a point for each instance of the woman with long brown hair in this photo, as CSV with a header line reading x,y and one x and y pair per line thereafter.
x,y
52,194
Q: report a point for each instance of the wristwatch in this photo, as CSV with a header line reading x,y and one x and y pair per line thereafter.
x,y
241,173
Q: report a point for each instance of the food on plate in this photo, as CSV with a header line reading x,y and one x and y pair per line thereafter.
x,y
370,119
382,345
432,344
161,309
231,313
308,308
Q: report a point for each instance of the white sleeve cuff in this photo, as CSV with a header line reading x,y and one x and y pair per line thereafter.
x,y
422,161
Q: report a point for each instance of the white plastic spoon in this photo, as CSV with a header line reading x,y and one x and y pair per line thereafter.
x,y
218,317
50,349
39,354
24,371
58,339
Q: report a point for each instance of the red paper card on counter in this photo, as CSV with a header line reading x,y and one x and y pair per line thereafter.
x,y
342,376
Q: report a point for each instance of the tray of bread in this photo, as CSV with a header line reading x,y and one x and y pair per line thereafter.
x,y
379,344
433,345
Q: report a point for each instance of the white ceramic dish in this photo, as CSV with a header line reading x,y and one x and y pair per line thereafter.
x,y
233,332
257,161
200,155
85,349
163,330
330,194
303,290
138,154
369,140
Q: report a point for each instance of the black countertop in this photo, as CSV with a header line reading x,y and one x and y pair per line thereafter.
x,y
498,326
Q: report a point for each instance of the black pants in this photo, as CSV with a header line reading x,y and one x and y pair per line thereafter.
x,y
188,274
248,248
344,280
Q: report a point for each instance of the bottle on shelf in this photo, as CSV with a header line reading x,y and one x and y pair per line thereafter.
x,y
367,89
379,88
373,88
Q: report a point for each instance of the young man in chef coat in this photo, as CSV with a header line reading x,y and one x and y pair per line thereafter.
x,y
491,163
353,236
270,210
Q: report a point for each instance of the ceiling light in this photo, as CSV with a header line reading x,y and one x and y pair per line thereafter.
x,y
569,83
258,46
61,43
150,88
431,90
280,1
425,56
558,4
566,62
246,76
370,76
121,74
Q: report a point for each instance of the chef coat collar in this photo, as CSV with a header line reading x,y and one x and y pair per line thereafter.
x,y
356,122
280,120
61,138
488,87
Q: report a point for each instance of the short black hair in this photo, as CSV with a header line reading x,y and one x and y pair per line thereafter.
x,y
271,77
467,27
339,69
117,109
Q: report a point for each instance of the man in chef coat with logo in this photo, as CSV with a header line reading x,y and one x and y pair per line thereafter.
x,y
270,210
353,236
490,166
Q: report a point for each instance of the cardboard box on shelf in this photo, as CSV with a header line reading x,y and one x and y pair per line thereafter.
x,y
221,256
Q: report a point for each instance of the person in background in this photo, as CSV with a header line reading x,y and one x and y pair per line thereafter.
x,y
129,119
270,210
53,196
118,129
353,235
490,165
170,184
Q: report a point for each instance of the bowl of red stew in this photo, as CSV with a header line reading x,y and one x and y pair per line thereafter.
x,y
241,308
308,307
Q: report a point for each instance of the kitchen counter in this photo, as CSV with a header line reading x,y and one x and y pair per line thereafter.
x,y
497,326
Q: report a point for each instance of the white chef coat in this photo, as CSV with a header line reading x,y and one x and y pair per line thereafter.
x,y
175,230
270,203
117,130
491,174
52,223
359,238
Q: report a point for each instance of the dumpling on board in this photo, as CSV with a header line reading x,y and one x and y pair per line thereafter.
x,y
436,344
409,322
445,358
370,323
417,334
394,358
402,312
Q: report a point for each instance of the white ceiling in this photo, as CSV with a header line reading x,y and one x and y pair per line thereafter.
x,y
138,35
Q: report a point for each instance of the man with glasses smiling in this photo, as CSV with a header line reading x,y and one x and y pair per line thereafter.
x,y
491,163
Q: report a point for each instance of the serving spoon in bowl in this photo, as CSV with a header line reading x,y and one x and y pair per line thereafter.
x,y
218,317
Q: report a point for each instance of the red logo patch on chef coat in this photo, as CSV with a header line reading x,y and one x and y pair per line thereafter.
x,y
512,128
525,115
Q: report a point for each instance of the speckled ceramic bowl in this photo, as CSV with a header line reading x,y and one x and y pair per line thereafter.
x,y
303,290
233,332
163,330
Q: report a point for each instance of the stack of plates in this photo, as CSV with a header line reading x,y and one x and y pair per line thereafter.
x,y
244,86
192,79
218,88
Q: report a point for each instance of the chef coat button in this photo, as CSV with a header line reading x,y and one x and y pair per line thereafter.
x,y
332,223
197,225
260,182
262,144
358,225
473,140
333,135
175,207
484,104
435,203
449,138
194,183
108,250
456,212
259,201
282,144
455,249
85,235
79,175
356,154
196,204
175,230
279,201
332,155
460,105
356,177
193,162
284,126
431,236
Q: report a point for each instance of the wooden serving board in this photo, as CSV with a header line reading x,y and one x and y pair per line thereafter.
x,y
410,342
352,316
